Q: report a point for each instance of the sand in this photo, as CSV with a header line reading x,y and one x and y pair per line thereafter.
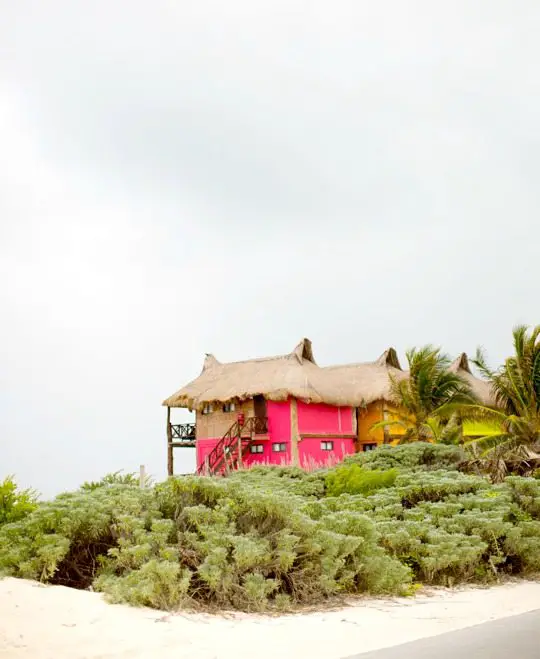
x,y
53,622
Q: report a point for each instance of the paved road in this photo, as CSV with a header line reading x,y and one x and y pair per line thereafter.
x,y
517,637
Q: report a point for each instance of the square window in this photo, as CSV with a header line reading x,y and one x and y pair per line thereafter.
x,y
369,447
229,407
256,448
279,447
327,446
208,409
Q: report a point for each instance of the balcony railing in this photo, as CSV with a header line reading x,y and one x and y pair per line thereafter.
x,y
259,425
183,434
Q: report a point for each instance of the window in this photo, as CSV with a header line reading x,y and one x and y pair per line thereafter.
x,y
256,448
327,446
208,409
280,447
369,447
229,407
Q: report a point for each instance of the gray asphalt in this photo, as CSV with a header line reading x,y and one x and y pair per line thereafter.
x,y
517,637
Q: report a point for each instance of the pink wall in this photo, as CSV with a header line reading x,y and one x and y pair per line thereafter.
x,y
318,417
312,456
312,418
279,430
203,448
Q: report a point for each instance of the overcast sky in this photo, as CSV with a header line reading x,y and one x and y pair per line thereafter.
x,y
187,177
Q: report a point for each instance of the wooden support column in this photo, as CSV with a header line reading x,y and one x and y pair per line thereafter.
x,y
386,429
170,464
239,449
295,457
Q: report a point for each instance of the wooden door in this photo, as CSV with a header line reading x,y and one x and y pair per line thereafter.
x,y
259,408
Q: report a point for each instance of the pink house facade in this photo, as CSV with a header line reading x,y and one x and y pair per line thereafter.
x,y
325,436
282,410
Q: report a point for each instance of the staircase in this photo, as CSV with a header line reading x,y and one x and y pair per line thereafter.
x,y
228,453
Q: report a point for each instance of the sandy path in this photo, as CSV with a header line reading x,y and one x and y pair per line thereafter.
x,y
42,622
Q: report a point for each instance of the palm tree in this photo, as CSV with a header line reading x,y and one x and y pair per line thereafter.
x,y
430,400
516,388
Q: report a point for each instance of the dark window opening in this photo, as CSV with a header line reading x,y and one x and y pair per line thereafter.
x,y
259,406
279,447
256,448
369,447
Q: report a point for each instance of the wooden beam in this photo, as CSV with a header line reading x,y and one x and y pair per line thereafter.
x,y
295,457
142,476
170,462
386,429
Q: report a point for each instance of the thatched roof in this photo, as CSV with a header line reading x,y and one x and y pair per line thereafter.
x,y
297,375
366,382
292,375
479,387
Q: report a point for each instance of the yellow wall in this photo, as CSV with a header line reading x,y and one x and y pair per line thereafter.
x,y
393,430
374,413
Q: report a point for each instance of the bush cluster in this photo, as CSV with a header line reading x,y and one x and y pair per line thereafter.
x,y
199,540
278,537
15,503
353,479
419,456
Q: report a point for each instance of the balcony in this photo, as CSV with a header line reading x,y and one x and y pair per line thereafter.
x,y
182,434
258,425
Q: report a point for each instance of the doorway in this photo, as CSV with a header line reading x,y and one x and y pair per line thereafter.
x,y
259,408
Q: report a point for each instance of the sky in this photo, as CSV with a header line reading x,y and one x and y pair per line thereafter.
x,y
228,177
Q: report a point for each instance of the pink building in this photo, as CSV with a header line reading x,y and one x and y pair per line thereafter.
x,y
277,410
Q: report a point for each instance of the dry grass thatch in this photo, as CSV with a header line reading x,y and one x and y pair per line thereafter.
x,y
480,388
293,375
297,375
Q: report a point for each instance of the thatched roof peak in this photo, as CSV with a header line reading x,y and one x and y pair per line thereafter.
x,y
461,363
304,351
389,358
480,388
210,362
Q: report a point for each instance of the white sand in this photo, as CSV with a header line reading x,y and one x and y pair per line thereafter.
x,y
53,622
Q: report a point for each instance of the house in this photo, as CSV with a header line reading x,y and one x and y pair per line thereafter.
x,y
287,409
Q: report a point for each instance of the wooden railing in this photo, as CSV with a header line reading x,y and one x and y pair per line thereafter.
x,y
183,434
259,424
228,452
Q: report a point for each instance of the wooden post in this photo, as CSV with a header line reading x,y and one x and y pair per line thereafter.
x,y
294,433
142,476
386,429
240,457
170,465
355,413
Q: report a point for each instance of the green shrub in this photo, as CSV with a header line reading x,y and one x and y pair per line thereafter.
x,y
15,504
525,492
417,456
352,479
116,478
210,541
281,479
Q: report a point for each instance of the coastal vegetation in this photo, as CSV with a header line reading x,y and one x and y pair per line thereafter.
x,y
438,508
